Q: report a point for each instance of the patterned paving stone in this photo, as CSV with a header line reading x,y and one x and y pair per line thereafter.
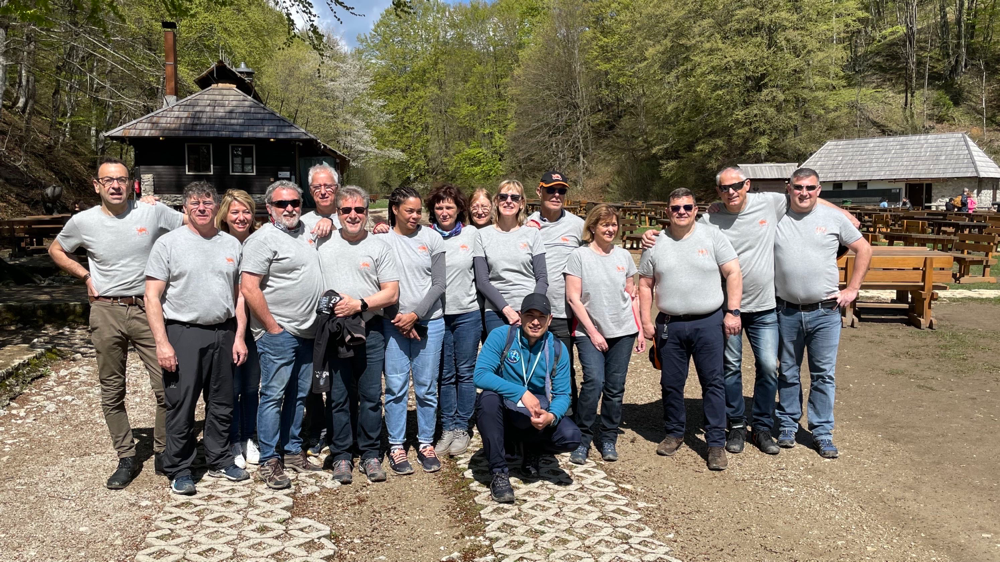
x,y
572,513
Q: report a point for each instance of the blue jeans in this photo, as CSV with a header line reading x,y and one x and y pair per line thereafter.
x,y
762,332
817,331
246,394
493,320
603,373
423,358
457,398
285,380
356,384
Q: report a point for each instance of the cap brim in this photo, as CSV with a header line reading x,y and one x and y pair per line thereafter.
x,y
540,184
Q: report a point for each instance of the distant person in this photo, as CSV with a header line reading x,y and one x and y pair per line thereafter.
x,y
480,209
883,203
970,203
523,372
192,282
905,205
965,200
118,236
806,283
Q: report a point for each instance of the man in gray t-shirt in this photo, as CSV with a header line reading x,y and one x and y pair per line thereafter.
x,y
118,236
686,269
809,299
191,288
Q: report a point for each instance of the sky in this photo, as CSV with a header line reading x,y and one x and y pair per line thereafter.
x,y
354,25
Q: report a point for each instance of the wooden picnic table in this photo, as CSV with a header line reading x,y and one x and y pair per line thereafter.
x,y
917,239
959,226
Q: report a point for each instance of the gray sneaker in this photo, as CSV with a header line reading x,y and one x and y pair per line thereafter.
x,y
273,474
300,463
447,436
372,468
342,471
460,443
579,455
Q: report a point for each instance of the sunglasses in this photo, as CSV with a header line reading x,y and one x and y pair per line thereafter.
x,y
554,190
285,203
358,210
512,196
809,188
732,187
677,208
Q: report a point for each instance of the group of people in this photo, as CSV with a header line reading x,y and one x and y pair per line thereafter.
x,y
291,330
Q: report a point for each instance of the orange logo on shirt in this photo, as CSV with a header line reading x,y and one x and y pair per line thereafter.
x,y
820,230
141,230
230,261
762,222
463,247
621,268
564,239
365,265
422,248
524,245
702,252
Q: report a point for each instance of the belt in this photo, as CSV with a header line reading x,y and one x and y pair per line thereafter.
x,y
668,318
224,325
808,307
124,301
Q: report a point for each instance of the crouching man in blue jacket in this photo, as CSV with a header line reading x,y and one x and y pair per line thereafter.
x,y
524,373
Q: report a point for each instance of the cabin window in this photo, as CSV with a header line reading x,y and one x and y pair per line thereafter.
x,y
199,158
862,185
838,186
241,159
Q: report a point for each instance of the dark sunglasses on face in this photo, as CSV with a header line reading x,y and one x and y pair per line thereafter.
x,y
285,203
512,196
553,190
809,188
677,208
732,187
358,210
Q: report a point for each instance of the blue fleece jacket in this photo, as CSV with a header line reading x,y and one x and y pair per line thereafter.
x,y
503,375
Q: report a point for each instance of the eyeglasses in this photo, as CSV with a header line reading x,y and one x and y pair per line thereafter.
x,y
209,204
109,181
285,203
480,208
733,186
677,208
358,210
512,196
810,188
554,190
323,187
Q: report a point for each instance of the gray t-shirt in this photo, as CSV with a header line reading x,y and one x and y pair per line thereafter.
x,y
118,247
751,233
561,238
460,293
602,283
413,257
357,269
201,275
805,254
292,281
686,271
508,255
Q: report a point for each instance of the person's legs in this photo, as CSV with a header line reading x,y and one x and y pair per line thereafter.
x,y
342,392
397,378
142,340
426,360
585,413
708,345
368,370
277,356
299,385
791,345
616,362
490,421
466,336
219,397
733,374
183,387
762,331
107,333
448,388
562,329
674,358
246,395
822,340
493,321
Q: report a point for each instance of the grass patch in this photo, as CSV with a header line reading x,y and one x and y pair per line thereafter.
x,y
18,381
380,204
994,272
466,510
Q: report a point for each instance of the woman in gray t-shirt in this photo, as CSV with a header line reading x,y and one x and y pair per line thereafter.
x,y
509,260
600,288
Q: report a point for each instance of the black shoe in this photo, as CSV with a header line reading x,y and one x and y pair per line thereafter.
x,y
500,488
765,442
717,458
158,464
427,457
736,439
127,470
531,467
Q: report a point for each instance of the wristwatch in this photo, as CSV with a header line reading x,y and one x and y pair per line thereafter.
x,y
364,306
735,312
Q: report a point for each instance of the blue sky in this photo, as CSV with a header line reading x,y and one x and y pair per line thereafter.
x,y
354,25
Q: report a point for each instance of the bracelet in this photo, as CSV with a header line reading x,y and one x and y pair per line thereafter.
x,y
85,277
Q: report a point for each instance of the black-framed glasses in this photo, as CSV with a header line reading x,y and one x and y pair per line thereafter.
x,y
284,203
677,208
323,187
208,204
358,210
733,186
809,188
108,181
515,197
554,190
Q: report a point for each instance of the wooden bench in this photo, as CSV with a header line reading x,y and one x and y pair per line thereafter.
x,y
975,250
628,232
914,273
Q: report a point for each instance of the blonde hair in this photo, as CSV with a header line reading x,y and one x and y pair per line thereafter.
x,y
522,213
476,194
239,196
595,216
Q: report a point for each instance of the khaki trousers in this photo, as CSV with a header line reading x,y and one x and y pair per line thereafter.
x,y
112,328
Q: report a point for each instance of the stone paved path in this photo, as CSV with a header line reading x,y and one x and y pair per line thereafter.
x,y
572,513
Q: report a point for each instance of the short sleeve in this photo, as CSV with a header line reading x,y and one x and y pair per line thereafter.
x,y
70,237
847,232
166,218
779,201
724,251
434,241
646,263
574,265
537,246
256,256
478,251
158,264
629,263
386,264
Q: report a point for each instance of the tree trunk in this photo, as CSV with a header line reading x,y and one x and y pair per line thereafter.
x,y
959,66
26,80
944,33
4,25
908,19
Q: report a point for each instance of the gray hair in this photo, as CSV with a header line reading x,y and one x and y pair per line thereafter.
x,y
737,169
200,189
679,193
324,167
351,192
803,173
281,184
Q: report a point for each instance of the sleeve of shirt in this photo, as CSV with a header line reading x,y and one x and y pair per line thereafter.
x,y
158,264
489,365
537,246
168,219
560,384
478,251
256,257
724,251
439,271
574,265
846,231
646,263
385,263
481,272
70,237
541,273
629,263
434,242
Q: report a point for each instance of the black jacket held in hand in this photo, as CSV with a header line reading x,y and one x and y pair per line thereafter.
x,y
344,333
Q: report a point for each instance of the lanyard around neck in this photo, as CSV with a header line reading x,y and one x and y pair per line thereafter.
x,y
526,375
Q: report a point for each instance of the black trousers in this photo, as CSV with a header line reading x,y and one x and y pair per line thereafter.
x,y
562,329
502,428
204,367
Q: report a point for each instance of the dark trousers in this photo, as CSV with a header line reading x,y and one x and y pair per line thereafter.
x,y
501,429
562,329
317,418
246,394
705,340
204,367
603,381
355,397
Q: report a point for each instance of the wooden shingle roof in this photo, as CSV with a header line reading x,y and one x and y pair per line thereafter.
x,y
935,156
769,170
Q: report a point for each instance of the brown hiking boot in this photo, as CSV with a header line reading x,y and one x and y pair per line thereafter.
x,y
717,459
669,446
300,463
271,473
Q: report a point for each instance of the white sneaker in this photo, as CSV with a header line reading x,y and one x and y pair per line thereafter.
x,y
252,452
238,459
